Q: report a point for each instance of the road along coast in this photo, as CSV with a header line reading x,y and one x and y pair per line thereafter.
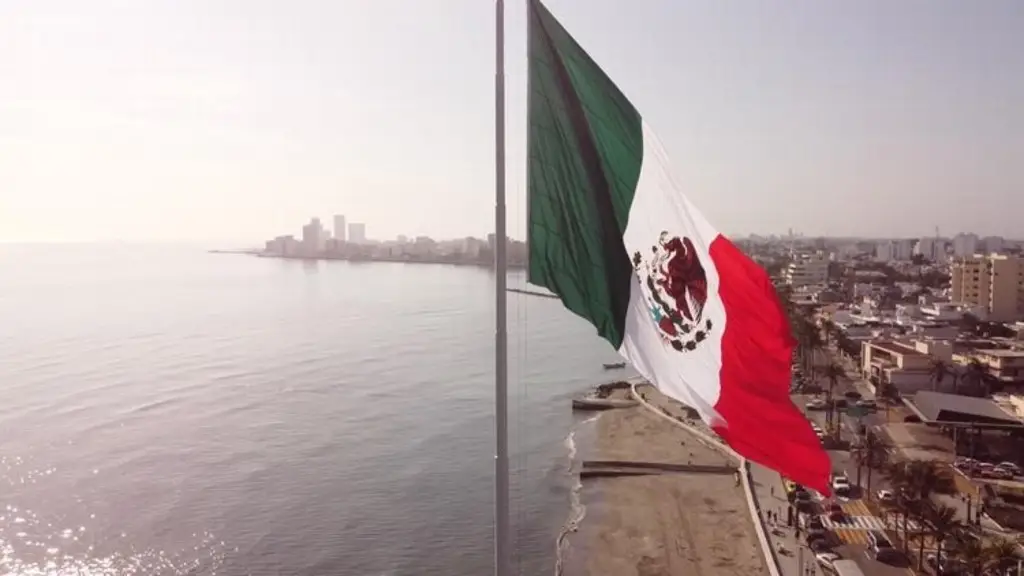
x,y
666,501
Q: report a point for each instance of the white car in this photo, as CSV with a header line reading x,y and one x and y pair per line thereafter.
x,y
816,404
841,485
827,560
886,496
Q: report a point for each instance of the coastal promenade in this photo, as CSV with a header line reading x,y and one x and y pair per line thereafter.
x,y
689,518
773,561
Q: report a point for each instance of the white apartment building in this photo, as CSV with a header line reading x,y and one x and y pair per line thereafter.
x,y
808,270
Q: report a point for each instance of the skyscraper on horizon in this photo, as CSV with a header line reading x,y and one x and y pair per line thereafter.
x,y
357,233
340,229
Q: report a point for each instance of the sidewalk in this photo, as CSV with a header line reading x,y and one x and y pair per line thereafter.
x,y
771,496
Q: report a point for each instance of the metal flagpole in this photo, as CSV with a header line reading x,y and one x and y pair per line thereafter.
x,y
502,548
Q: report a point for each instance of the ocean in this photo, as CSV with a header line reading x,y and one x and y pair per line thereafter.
x,y
168,411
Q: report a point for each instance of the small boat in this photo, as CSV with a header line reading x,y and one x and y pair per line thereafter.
x,y
615,366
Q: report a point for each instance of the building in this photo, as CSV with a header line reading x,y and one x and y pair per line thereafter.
x,y
994,244
905,365
994,283
340,228
894,250
807,270
1006,366
931,249
965,245
314,238
357,233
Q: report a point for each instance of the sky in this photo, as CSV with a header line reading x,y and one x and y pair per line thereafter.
x,y
238,120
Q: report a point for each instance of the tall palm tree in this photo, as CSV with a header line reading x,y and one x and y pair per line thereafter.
x,y
828,328
939,371
832,372
973,554
810,345
942,521
977,376
898,474
871,454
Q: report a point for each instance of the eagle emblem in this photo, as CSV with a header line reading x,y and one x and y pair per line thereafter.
x,y
675,287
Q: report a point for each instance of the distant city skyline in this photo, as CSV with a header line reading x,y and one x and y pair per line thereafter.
x,y
178,120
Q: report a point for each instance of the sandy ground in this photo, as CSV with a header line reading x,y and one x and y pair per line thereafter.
x,y
678,524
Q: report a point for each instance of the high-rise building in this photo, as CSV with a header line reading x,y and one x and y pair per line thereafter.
x,y
993,282
313,237
965,245
357,233
340,229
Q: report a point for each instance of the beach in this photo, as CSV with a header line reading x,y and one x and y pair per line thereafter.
x,y
674,523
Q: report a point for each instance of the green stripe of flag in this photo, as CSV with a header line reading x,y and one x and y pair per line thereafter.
x,y
585,146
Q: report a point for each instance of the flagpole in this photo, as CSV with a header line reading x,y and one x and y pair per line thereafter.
x,y
502,541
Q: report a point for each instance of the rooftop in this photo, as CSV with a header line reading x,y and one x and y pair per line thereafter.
x,y
897,348
1001,353
937,407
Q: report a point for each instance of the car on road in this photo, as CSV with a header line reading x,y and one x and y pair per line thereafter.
x,y
886,496
814,523
841,485
820,545
827,560
816,404
867,404
852,395
835,513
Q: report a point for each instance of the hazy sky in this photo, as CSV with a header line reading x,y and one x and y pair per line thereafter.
x,y
240,119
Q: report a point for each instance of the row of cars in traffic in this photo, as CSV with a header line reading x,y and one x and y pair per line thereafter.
x,y
852,398
1000,471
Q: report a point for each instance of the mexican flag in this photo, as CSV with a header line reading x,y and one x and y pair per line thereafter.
x,y
612,234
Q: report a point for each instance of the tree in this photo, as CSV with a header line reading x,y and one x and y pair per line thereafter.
x,y
1000,555
940,371
977,377
973,555
941,520
832,372
871,454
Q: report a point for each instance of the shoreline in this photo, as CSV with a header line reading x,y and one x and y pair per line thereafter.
x,y
666,522
435,260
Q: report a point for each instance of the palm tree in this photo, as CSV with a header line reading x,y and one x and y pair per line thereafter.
x,y
977,375
828,328
898,474
939,371
1001,554
832,372
973,555
942,521
871,454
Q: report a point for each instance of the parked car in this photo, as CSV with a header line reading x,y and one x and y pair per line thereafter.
x,y
1011,467
816,404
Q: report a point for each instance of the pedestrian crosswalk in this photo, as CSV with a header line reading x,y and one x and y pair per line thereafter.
x,y
854,523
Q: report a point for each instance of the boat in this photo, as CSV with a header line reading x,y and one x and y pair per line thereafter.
x,y
615,366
